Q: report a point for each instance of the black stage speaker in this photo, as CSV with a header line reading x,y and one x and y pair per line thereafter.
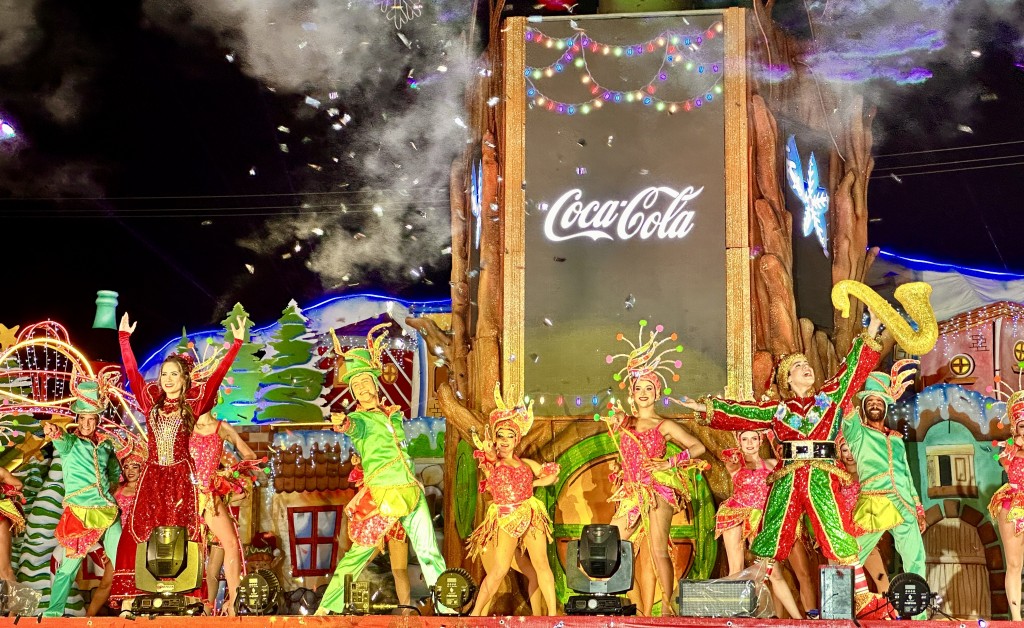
x,y
837,592
717,598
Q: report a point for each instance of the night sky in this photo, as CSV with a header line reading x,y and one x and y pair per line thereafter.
x,y
162,134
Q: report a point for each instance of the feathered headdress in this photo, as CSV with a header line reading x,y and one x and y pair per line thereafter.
x,y
1014,399
518,418
363,360
645,362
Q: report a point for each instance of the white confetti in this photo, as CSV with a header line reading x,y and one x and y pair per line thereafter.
x,y
964,128
312,102
317,231
492,101
252,171
459,122
250,268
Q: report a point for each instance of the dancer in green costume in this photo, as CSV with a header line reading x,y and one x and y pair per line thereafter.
x,y
888,500
378,435
90,467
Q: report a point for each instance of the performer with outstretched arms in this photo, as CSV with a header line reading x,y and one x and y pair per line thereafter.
x,y
378,435
516,522
167,494
739,517
808,482
1007,504
888,500
651,485
89,464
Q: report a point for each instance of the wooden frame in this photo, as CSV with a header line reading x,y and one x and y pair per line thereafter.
x,y
739,348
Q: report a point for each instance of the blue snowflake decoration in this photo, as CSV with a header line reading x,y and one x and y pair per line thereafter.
x,y
813,197
822,402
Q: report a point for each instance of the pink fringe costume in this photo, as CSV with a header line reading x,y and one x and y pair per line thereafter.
x,y
1008,501
366,526
745,506
514,509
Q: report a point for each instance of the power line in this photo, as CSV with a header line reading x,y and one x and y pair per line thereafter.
x,y
914,174
949,163
939,150
202,196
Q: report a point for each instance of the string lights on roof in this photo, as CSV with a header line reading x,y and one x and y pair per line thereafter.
x,y
677,50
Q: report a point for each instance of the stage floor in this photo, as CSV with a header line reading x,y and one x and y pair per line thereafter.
x,y
389,621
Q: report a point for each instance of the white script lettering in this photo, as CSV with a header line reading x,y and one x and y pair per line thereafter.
x,y
569,217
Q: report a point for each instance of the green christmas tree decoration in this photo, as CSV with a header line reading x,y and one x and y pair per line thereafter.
x,y
292,384
237,400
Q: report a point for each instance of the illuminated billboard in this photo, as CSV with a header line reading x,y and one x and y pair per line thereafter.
x,y
625,200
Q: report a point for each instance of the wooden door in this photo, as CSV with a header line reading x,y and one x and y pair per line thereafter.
x,y
956,568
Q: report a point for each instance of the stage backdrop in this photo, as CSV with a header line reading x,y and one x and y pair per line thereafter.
x,y
624,202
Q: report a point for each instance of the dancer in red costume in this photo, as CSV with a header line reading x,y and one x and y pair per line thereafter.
x,y
1007,504
516,525
739,517
12,520
809,480
167,495
652,486
206,447
123,585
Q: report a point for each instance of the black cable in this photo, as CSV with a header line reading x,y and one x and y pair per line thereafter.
x,y
418,612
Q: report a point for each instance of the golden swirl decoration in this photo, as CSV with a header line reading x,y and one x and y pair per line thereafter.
x,y
915,299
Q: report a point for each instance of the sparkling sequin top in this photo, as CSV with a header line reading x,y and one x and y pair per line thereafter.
x,y
750,487
125,503
206,454
1015,471
647,444
510,485
807,418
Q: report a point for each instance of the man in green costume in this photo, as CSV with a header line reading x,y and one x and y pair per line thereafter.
x,y
888,500
377,434
91,471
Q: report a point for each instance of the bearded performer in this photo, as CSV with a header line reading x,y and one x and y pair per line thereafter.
x,y
516,523
378,435
89,464
808,482
652,486
888,500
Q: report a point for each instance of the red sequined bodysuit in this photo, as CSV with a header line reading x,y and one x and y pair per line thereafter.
x,y
123,585
206,451
746,504
167,495
513,510
1008,501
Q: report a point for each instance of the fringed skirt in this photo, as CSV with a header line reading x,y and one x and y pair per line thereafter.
x,y
516,520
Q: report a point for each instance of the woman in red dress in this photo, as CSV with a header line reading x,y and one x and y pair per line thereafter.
x,y
167,493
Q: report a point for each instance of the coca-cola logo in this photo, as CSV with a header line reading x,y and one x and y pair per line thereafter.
x,y
656,212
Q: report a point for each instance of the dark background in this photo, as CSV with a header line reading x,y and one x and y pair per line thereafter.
x,y
166,117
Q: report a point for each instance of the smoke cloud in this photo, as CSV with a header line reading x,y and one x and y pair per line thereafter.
x,y
390,103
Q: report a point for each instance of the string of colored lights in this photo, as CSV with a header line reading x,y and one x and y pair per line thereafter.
x,y
577,47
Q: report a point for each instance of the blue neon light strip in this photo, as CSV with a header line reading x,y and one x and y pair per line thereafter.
x,y
439,305
944,267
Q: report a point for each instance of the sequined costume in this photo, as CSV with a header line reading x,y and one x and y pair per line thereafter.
x,y
206,451
806,482
513,508
90,468
745,506
638,487
391,482
1008,502
123,586
167,494
366,525
11,509
888,500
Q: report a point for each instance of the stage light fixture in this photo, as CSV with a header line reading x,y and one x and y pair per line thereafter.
x,y
599,566
909,595
259,593
453,592
167,565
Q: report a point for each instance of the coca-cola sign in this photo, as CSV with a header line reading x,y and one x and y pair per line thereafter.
x,y
658,212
